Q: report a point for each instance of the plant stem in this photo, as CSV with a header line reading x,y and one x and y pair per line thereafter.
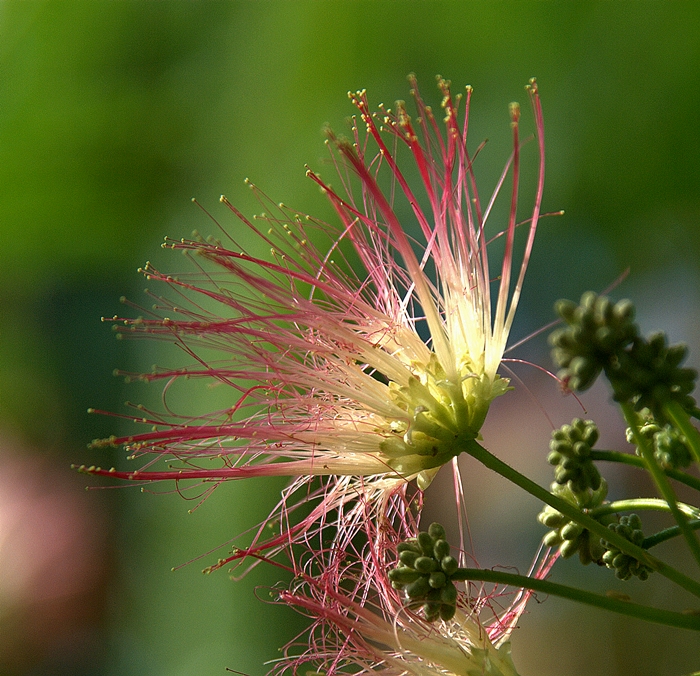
x,y
636,461
637,504
661,480
667,534
682,422
486,458
667,617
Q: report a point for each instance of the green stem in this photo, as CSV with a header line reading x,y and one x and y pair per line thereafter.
x,y
486,458
667,617
638,504
667,534
660,479
681,420
636,461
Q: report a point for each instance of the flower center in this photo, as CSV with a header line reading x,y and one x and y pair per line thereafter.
x,y
442,417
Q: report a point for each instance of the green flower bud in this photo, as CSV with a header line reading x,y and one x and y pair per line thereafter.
x,y
436,531
447,612
671,449
425,564
441,549
403,575
431,611
567,535
408,557
426,543
552,539
437,580
449,565
425,576
570,450
649,375
409,546
571,531
448,593
568,548
596,332
624,565
419,588
551,518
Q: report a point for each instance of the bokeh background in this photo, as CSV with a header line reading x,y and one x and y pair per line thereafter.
x,y
114,114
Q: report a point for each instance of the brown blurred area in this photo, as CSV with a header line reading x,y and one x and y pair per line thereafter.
x,y
54,566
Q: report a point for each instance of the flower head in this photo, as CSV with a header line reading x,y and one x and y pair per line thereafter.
x,y
380,375
361,625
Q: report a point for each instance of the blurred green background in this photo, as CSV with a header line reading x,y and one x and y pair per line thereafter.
x,y
114,114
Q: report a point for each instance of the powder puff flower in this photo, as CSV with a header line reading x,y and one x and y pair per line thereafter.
x,y
370,361
360,625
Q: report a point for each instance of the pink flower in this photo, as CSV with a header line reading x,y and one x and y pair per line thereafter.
x,y
371,379
360,624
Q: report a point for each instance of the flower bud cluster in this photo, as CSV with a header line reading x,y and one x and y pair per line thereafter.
x,y
624,565
670,446
578,481
567,535
596,332
649,374
602,336
424,573
570,453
